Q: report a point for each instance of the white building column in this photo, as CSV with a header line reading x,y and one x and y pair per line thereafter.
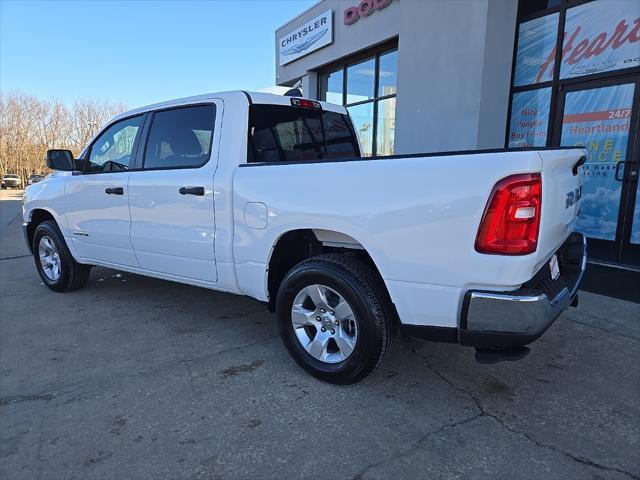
x,y
310,85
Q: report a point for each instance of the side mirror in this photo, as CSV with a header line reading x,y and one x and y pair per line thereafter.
x,y
60,160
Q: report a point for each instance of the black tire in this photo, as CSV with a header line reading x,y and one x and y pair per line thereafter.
x,y
73,275
360,285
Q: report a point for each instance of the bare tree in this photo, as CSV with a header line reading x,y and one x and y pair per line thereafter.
x,y
88,116
29,126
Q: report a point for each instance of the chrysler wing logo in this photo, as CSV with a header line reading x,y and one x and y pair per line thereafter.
x,y
301,47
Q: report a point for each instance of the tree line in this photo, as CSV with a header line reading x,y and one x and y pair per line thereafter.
x,y
29,126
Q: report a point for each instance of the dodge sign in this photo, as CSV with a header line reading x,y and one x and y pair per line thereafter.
x,y
307,38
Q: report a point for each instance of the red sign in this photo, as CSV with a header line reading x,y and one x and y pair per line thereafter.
x,y
592,47
364,9
616,114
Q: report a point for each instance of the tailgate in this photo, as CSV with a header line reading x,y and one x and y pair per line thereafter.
x,y
561,198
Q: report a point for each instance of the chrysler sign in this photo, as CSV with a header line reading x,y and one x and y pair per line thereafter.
x,y
307,38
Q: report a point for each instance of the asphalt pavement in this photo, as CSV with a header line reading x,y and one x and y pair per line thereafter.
x,y
135,378
9,206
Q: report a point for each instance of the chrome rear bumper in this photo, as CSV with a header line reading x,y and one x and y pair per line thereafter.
x,y
516,318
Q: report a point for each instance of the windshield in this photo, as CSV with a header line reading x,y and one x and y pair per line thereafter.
x,y
13,177
279,133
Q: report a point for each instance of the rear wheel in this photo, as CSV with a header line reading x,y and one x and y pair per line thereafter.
x,y
57,268
335,317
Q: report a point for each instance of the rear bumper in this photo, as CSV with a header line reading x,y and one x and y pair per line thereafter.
x,y
516,318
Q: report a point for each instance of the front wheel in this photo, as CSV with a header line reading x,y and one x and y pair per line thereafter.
x,y
57,268
335,317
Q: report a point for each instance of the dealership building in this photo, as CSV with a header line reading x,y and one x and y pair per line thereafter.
x,y
444,75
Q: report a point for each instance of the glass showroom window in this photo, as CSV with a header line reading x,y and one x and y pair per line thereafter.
x,y
331,86
530,106
367,87
592,40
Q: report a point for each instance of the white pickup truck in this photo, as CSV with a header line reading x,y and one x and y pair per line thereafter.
x,y
268,196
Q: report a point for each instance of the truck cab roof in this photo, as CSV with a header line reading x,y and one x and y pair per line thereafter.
x,y
241,97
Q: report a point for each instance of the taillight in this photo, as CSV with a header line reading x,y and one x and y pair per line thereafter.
x,y
511,221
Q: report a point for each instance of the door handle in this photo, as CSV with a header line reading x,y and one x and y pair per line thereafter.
x,y
191,191
618,165
633,173
114,191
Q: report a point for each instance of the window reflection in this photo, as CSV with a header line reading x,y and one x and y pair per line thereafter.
x,y
386,127
362,118
112,150
372,110
360,81
388,74
331,86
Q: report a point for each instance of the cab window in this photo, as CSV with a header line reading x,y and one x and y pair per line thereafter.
x,y
180,138
279,133
112,151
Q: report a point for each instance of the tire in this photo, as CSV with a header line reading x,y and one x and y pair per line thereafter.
x,y
369,330
71,275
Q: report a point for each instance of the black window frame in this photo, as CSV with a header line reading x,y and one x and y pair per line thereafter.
x,y
375,52
147,131
557,85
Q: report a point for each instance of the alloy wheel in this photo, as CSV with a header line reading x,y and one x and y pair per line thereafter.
x,y
324,323
49,258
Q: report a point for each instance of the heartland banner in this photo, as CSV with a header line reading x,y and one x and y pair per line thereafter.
x,y
599,119
599,36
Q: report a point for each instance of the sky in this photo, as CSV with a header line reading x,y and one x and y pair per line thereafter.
x,y
139,52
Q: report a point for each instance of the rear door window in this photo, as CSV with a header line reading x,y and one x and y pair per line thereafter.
x,y
180,138
279,133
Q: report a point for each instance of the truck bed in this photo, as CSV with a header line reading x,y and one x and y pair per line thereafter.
x,y
416,215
